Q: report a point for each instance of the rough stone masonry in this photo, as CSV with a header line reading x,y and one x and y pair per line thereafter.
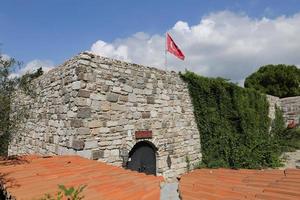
x,y
290,107
92,106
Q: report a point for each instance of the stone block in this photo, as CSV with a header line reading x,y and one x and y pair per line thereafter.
x,y
112,97
85,153
84,93
146,115
128,127
81,101
95,124
105,88
78,144
123,98
132,98
115,152
90,77
76,123
153,113
67,98
150,100
96,97
83,131
55,139
104,130
91,144
111,123
71,114
76,85
117,107
105,106
51,139
84,62
136,115
127,88
116,90
96,105
97,154
84,112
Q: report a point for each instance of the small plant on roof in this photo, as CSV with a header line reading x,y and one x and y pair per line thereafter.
x,y
66,193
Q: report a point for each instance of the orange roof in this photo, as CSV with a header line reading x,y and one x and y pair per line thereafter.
x,y
227,184
30,177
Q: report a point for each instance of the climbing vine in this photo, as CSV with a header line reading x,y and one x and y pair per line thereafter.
x,y
233,123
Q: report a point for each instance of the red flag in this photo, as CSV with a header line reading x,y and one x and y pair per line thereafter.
x,y
173,49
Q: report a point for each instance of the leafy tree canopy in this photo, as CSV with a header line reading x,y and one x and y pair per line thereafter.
x,y
277,80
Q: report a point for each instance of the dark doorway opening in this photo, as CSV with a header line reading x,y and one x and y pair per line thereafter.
x,y
142,158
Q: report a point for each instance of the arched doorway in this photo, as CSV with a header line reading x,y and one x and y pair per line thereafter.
x,y
142,158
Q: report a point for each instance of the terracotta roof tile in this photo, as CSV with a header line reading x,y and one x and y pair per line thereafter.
x,y
221,184
30,177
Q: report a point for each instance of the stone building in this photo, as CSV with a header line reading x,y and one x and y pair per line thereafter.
x,y
290,107
103,109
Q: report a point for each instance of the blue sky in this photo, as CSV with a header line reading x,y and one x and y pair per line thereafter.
x,y
56,30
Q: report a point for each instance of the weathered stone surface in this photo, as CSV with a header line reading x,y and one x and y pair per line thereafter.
x,y
132,98
112,97
150,100
290,107
96,105
104,130
85,153
91,144
76,123
78,144
84,112
84,93
97,154
81,102
105,106
123,98
146,115
76,85
127,88
104,88
83,131
111,123
93,106
96,96
95,124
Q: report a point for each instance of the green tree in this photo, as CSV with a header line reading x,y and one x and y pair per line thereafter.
x,y
7,87
277,80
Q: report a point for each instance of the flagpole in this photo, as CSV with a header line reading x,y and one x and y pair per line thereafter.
x,y
166,51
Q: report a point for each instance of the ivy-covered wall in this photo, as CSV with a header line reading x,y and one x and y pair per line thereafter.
x,y
233,123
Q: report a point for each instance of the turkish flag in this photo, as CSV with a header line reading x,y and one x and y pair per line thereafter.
x,y
173,48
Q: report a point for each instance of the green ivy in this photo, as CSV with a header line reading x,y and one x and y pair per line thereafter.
x,y
233,123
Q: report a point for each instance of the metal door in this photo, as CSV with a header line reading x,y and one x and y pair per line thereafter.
x,y
142,158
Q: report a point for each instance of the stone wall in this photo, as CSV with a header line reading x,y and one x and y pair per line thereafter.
x,y
91,106
273,103
290,107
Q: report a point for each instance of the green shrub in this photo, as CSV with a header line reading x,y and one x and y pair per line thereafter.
x,y
233,123
289,140
66,193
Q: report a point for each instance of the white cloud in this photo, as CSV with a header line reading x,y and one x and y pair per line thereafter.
x,y
223,44
32,66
